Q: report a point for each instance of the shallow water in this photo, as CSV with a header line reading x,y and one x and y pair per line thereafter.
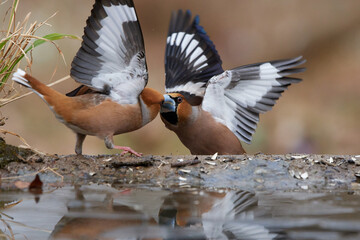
x,y
104,212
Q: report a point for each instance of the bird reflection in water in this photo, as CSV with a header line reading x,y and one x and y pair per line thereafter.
x,y
159,214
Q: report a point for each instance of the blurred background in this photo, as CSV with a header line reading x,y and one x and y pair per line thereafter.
x,y
318,115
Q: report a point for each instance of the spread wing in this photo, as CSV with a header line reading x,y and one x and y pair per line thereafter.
x,y
111,58
190,57
233,217
238,96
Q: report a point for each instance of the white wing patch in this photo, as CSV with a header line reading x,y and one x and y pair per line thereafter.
x,y
190,46
214,101
109,43
268,71
190,87
116,63
236,97
110,34
234,213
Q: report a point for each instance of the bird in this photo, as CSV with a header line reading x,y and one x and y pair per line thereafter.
x,y
210,109
111,66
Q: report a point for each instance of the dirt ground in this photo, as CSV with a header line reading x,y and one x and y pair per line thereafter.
x,y
260,172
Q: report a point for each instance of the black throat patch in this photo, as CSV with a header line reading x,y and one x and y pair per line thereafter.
x,y
171,117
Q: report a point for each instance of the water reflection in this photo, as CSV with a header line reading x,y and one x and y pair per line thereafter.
x,y
158,214
103,212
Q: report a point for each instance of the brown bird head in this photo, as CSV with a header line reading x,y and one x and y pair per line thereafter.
x,y
175,109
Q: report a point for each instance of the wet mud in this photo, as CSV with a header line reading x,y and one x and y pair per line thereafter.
x,y
259,172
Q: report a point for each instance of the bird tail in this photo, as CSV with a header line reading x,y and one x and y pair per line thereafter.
x,y
21,77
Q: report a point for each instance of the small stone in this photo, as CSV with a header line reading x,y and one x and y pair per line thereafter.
x,y
182,179
297,175
304,175
352,160
185,170
107,160
39,160
260,171
259,180
299,156
214,156
210,163
236,168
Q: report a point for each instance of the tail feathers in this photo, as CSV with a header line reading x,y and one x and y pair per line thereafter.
x,y
19,77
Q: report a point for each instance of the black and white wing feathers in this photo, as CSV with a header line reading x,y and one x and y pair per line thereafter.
x,y
190,58
112,55
237,97
232,217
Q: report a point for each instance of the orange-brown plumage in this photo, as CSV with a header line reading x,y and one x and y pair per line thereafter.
x,y
200,133
113,72
96,114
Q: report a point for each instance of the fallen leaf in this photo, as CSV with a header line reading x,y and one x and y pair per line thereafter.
x,y
36,188
36,183
21,184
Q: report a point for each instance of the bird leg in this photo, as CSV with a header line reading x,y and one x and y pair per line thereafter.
x,y
79,142
109,143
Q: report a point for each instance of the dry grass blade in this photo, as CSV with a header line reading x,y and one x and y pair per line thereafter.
x,y
44,169
16,135
27,146
11,236
15,44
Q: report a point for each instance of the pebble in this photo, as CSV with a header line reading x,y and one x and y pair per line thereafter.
x,y
304,175
210,163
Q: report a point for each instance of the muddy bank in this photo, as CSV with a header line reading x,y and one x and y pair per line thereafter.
x,y
259,172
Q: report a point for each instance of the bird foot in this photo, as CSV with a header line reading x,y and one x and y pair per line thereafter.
x,y
127,150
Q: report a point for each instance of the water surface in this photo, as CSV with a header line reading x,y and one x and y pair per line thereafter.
x,y
126,212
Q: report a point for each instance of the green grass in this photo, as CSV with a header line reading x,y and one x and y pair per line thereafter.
x,y
17,42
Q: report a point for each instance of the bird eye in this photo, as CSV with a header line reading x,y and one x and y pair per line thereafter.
x,y
179,99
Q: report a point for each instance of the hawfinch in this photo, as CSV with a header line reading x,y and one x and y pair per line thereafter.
x,y
111,65
212,110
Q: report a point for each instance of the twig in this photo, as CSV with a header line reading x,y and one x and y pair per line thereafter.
x,y
33,174
327,163
3,131
27,146
186,163
141,163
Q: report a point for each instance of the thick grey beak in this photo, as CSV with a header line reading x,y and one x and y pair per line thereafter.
x,y
168,105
